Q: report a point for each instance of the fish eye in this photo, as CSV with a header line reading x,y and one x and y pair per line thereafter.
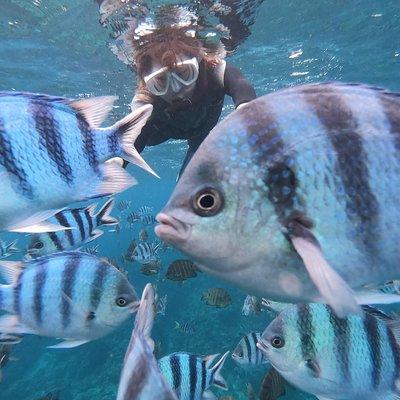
x,y
121,302
207,202
277,342
38,245
239,353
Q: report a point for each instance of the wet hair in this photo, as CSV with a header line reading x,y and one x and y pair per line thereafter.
x,y
166,45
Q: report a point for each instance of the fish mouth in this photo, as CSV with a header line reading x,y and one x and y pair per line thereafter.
x,y
172,230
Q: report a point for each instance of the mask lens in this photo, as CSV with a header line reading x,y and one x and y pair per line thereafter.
x,y
185,72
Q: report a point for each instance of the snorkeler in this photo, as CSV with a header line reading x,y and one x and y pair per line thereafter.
x,y
186,84
179,61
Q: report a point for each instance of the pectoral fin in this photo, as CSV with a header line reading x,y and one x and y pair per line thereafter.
x,y
68,344
333,289
272,386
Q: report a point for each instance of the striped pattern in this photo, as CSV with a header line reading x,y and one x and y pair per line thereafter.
x,y
89,142
79,222
40,281
113,143
63,221
10,163
97,286
68,283
351,159
51,138
374,342
247,352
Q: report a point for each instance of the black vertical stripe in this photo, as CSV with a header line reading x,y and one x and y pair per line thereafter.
x,y
77,217
10,163
391,108
60,217
39,283
56,241
254,346
341,334
374,343
90,222
89,142
97,285
203,376
395,348
68,283
306,330
248,347
352,162
272,154
193,376
113,143
50,137
176,372
17,292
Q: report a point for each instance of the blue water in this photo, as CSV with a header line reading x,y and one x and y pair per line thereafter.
x,y
60,48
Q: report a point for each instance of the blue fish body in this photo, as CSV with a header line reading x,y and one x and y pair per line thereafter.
x,y
53,153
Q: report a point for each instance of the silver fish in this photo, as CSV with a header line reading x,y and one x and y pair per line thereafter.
x,y
251,305
351,358
295,196
54,153
141,378
247,353
69,295
82,226
145,253
7,250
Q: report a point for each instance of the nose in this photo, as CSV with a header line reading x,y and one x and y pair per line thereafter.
x,y
175,86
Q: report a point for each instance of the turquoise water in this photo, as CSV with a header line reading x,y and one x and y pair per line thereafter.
x,y
60,48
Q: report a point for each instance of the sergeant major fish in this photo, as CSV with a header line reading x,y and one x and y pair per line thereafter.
x,y
141,378
191,376
54,153
145,253
69,295
353,358
81,227
295,196
247,352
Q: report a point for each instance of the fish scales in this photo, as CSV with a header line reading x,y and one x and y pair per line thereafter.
x,y
368,369
51,156
283,166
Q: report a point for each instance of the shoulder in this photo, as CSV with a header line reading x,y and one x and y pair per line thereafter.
x,y
218,72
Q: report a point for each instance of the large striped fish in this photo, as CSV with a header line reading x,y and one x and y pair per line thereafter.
x,y
53,152
141,378
191,376
295,196
70,295
353,358
82,226
247,353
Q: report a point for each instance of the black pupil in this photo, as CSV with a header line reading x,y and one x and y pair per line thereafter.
x,y
121,302
277,342
38,245
206,201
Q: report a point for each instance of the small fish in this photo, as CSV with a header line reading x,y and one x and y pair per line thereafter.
x,y
81,227
54,153
10,339
180,270
147,220
124,205
306,178
185,327
247,352
145,253
392,287
273,386
5,351
357,357
93,250
143,235
141,378
6,250
191,376
251,305
151,268
132,218
217,297
161,304
69,295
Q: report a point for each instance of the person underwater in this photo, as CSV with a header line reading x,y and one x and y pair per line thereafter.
x,y
186,81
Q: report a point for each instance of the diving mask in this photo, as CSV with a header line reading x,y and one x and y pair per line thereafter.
x,y
184,73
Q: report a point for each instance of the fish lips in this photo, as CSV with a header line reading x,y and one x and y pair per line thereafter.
x,y
263,346
172,230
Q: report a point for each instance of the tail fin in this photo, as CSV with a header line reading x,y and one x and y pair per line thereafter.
x,y
129,129
11,249
218,380
103,216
